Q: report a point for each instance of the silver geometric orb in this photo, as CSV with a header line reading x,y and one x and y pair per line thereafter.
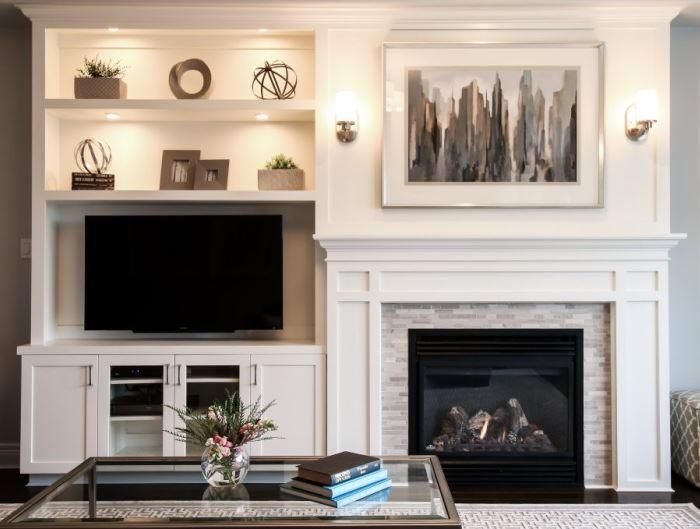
x,y
274,80
93,156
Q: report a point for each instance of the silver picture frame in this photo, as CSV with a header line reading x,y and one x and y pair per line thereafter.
x,y
178,168
390,172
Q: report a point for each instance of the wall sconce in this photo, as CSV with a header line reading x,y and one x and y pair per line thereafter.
x,y
346,116
641,115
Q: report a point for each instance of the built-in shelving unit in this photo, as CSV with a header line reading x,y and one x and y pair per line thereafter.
x,y
124,414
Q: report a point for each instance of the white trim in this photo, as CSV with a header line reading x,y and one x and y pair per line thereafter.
x,y
9,455
600,248
628,271
408,14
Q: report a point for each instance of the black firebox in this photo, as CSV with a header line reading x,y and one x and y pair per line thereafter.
x,y
498,406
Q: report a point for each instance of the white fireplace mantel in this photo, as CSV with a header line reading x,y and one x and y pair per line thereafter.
x,y
628,272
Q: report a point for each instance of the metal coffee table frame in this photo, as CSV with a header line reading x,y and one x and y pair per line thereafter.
x,y
89,469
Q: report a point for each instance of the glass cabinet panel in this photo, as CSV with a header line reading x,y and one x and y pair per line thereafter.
x,y
201,380
136,410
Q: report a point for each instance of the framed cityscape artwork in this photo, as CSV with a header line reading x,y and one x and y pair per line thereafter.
x,y
469,125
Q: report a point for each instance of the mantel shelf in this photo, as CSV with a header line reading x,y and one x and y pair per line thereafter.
x,y
180,109
210,197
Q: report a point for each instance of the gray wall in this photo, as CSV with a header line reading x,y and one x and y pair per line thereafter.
x,y
685,207
15,214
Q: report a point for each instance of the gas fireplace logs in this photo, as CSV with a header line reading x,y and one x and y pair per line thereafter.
x,y
507,429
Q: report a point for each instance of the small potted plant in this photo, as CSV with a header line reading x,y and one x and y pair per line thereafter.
x,y
99,79
280,173
223,432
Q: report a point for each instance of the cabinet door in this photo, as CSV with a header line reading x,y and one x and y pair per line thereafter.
x,y
59,412
132,418
296,384
201,379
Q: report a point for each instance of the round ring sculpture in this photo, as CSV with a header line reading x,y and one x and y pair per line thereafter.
x,y
93,156
275,80
179,69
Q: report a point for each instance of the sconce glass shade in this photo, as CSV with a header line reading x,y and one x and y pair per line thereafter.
x,y
346,116
647,103
642,114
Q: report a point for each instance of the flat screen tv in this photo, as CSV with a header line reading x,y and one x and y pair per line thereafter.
x,y
165,274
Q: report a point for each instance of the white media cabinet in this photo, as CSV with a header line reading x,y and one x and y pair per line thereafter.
x,y
71,377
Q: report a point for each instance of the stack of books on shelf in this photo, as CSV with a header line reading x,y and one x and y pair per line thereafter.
x,y
339,480
92,181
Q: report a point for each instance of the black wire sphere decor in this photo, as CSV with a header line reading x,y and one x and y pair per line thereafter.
x,y
275,80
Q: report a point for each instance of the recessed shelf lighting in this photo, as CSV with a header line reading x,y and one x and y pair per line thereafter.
x,y
112,30
262,117
112,116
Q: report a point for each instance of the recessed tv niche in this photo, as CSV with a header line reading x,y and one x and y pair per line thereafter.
x,y
218,273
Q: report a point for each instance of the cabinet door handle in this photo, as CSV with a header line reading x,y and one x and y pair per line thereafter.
x,y
179,374
255,375
167,374
89,373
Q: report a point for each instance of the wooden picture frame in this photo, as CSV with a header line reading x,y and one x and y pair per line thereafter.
x,y
178,169
211,175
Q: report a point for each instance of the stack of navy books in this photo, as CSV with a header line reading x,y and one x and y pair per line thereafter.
x,y
339,479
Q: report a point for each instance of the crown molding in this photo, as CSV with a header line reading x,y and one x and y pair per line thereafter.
x,y
416,14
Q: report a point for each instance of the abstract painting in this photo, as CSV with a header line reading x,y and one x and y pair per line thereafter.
x,y
471,125
497,125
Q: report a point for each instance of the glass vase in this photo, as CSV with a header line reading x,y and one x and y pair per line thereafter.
x,y
225,471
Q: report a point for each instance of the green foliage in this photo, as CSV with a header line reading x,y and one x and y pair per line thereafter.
x,y
96,67
229,418
280,161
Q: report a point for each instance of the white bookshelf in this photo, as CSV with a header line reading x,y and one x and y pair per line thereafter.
x,y
226,125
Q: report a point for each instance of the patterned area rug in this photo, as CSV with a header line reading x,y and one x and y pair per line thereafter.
x,y
499,516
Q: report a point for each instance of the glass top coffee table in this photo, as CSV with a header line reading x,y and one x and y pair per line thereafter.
x,y
153,492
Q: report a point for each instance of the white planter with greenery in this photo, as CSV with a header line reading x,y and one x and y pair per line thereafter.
x,y
98,79
280,174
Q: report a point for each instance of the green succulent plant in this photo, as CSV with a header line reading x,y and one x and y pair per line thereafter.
x,y
280,161
94,67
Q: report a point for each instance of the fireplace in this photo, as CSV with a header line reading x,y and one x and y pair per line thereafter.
x,y
498,406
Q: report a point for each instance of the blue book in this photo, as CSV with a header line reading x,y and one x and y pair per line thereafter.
x,y
340,501
333,491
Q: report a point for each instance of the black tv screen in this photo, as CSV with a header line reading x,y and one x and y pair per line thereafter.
x,y
183,273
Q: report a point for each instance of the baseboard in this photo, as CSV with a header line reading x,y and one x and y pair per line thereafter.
x,y
9,455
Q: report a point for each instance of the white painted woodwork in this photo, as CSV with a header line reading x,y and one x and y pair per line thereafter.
x,y
297,385
630,273
180,109
615,255
168,347
134,439
179,197
59,412
207,359
69,419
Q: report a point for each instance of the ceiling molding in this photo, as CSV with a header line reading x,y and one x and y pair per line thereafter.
x,y
417,14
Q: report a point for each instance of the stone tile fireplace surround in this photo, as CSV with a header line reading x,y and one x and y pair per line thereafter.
x,y
615,288
593,318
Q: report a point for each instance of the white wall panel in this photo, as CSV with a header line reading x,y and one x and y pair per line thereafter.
x,y
638,389
352,377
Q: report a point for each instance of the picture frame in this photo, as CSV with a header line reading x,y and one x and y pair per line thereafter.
x,y
178,169
471,125
212,175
